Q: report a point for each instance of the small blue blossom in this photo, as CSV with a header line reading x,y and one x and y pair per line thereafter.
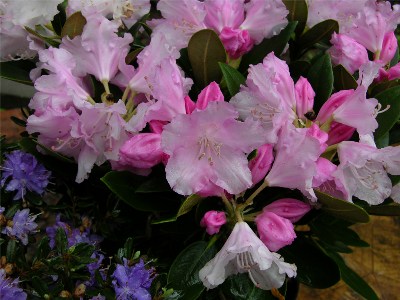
x,y
21,171
93,267
9,289
132,282
22,225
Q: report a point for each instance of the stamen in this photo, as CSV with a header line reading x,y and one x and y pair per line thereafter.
x,y
379,109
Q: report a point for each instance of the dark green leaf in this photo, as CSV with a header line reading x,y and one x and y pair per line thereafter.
x,y
321,32
320,77
343,80
132,55
60,18
314,267
40,286
383,141
61,241
124,185
50,41
299,68
383,86
183,275
14,71
298,11
387,119
395,58
233,78
342,209
11,250
384,210
74,25
240,287
352,279
128,248
43,249
12,210
154,184
205,51
276,44
188,204
82,250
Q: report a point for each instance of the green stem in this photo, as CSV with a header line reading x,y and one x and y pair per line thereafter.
x,y
249,200
228,204
106,87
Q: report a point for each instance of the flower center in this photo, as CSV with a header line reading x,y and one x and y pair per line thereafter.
x,y
208,149
246,262
264,112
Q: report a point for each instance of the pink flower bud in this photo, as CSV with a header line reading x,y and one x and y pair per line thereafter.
x,y
288,208
142,150
389,47
383,75
339,132
210,93
318,134
394,72
334,101
275,231
236,41
304,97
260,165
347,52
157,126
189,105
324,171
212,221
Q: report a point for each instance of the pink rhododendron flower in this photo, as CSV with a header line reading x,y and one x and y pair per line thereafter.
x,y
320,135
395,195
142,151
244,252
270,78
210,93
99,49
325,181
236,41
260,165
288,208
304,97
347,52
295,160
339,133
274,231
363,170
127,11
213,221
214,144
389,47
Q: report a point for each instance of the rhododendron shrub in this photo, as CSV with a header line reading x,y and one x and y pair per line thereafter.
x,y
187,149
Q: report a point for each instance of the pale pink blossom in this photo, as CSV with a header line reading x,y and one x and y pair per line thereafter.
x,y
320,135
288,208
339,133
224,14
389,47
214,144
260,165
347,52
295,160
395,195
274,231
244,252
213,221
304,97
210,93
142,151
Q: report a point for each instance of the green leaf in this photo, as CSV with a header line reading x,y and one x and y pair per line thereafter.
x,y
276,44
40,286
43,249
320,77
298,11
383,141
61,241
342,209
233,78
183,275
60,18
124,185
15,71
11,250
387,119
82,250
314,267
240,287
74,25
188,204
205,51
395,58
321,32
343,80
352,279
383,86
299,68
128,248
384,210
48,40
132,55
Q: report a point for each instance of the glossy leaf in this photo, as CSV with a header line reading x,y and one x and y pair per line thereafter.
x,y
61,241
299,68
320,77
74,25
205,51
395,58
188,204
276,44
11,250
383,86
298,11
343,80
387,119
233,78
183,275
314,267
14,71
384,210
342,209
60,18
40,287
321,32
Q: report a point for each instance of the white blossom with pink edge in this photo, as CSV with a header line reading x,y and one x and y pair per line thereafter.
x,y
244,252
213,143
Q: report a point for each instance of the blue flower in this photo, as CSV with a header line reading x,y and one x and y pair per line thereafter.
x,y
22,225
24,172
132,282
9,289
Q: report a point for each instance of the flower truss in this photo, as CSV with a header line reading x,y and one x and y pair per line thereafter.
x,y
271,125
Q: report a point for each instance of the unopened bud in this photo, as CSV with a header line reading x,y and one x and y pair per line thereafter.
x,y
65,294
80,291
9,268
304,97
